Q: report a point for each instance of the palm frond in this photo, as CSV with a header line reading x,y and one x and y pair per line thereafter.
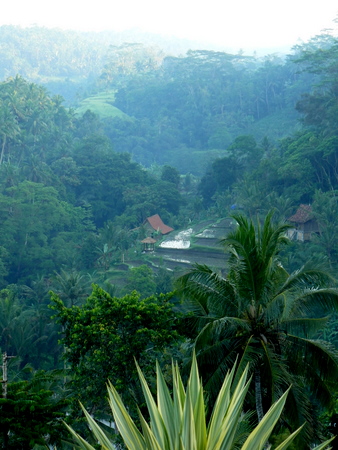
x,y
254,253
203,285
274,372
218,329
299,409
315,302
215,360
315,358
275,308
307,327
307,275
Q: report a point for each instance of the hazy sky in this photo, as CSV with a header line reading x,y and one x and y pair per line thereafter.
x,y
238,24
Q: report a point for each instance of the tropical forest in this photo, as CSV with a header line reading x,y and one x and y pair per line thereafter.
x,y
168,244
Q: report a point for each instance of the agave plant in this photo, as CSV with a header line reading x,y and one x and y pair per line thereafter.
x,y
178,421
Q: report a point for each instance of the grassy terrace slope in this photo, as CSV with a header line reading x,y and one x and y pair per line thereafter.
x,y
203,249
103,105
204,246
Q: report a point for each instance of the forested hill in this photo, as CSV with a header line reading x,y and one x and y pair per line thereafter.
x,y
210,129
60,181
97,137
213,115
68,61
184,111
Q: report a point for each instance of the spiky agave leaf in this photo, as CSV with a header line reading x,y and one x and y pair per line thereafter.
x,y
259,436
125,424
227,431
195,395
220,409
186,409
166,406
82,444
324,445
156,421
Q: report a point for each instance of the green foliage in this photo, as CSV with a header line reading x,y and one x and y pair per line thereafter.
x,y
244,150
309,163
223,173
171,175
268,317
243,157
207,97
32,413
320,106
68,199
4,257
325,210
32,217
141,279
60,59
26,328
178,421
110,182
157,197
164,280
103,336
71,287
127,61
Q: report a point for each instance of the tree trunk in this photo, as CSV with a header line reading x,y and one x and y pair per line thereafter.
x,y
258,395
3,149
259,402
5,438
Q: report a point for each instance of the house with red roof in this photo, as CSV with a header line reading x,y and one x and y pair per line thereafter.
x,y
304,224
155,223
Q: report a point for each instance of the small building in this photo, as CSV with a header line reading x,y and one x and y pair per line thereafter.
x,y
304,224
148,244
155,223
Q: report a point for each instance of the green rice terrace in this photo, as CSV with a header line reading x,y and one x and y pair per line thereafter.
x,y
101,104
179,250
196,244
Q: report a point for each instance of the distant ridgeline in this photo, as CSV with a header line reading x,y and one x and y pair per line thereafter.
x,y
66,61
221,117
184,111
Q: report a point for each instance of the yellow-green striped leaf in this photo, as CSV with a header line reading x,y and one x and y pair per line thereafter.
x,y
259,436
128,430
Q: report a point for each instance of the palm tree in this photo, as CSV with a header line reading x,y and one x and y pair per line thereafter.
x,y
8,127
267,316
72,287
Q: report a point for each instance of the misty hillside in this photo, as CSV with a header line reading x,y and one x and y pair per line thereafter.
x,y
123,163
68,60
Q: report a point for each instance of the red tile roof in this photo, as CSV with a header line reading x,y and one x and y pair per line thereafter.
x,y
156,223
303,214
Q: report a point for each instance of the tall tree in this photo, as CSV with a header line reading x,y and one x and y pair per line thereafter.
x,y
32,413
33,221
319,107
8,127
105,334
261,313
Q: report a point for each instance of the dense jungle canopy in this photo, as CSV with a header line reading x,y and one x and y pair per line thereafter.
x,y
96,135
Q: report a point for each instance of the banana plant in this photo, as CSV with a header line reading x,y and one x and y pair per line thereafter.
x,y
178,421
